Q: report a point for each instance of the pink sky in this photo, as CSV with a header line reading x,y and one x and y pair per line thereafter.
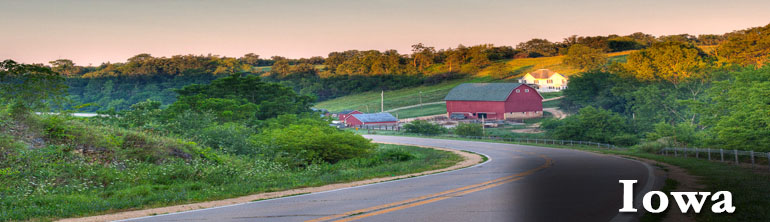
x,y
92,32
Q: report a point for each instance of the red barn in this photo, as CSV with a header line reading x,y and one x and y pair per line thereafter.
x,y
346,113
377,119
494,101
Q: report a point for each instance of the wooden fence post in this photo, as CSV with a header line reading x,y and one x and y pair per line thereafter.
x,y
722,154
736,156
696,153
752,159
675,153
709,151
685,152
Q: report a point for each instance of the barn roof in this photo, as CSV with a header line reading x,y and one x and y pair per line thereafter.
x,y
482,91
542,73
375,117
347,111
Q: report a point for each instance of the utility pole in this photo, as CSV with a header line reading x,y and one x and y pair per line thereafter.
x,y
382,101
483,129
420,101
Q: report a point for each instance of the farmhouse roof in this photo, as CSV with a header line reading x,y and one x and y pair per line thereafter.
x,y
542,73
347,111
482,91
375,117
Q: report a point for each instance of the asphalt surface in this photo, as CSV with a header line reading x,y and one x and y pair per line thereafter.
x,y
518,183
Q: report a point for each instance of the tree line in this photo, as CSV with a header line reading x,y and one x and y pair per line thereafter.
x,y
141,77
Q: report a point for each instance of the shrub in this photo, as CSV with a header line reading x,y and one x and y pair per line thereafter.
x,y
650,146
230,137
303,144
469,129
591,124
396,155
424,127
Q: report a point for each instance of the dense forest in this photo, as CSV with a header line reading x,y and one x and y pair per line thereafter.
x,y
119,85
675,94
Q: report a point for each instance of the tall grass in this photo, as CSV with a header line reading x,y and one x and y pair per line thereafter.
x,y
118,169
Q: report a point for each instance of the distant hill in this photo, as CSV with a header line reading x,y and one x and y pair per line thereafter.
x,y
370,101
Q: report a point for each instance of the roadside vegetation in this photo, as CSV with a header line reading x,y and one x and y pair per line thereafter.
x,y
233,137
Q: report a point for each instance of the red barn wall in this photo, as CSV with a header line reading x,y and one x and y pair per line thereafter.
x,y
494,109
342,117
517,102
524,101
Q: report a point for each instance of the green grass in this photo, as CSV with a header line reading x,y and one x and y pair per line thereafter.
x,y
551,104
548,95
369,102
426,110
58,181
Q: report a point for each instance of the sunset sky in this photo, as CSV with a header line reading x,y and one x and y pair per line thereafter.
x,y
92,32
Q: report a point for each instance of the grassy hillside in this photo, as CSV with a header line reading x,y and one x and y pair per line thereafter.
x,y
370,101
519,67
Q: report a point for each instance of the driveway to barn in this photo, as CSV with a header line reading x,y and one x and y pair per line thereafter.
x,y
517,183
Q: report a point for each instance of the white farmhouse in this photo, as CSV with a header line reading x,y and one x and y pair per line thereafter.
x,y
545,80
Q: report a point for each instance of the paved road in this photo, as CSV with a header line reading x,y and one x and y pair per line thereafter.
x,y
518,183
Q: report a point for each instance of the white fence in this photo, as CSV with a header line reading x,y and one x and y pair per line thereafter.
x,y
735,156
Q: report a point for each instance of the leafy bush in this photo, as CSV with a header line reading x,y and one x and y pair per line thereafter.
x,y
591,124
650,146
230,137
424,127
396,155
303,144
469,129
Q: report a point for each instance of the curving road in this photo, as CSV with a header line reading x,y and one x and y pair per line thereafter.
x,y
518,183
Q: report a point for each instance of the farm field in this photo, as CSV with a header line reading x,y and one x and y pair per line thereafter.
x,y
370,101
425,110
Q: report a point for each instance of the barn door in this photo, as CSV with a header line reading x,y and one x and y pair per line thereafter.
x,y
482,115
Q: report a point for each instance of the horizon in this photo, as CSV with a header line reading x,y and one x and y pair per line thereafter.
x,y
95,32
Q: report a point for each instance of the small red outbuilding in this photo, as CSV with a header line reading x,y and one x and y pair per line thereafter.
x,y
494,101
377,119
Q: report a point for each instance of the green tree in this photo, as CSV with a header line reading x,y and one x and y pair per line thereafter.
x,y
65,67
585,58
237,92
29,86
670,61
303,144
592,124
747,47
736,115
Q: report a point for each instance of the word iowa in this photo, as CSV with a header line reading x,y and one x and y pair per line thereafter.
x,y
723,200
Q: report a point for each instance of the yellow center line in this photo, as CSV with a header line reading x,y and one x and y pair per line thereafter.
x,y
381,209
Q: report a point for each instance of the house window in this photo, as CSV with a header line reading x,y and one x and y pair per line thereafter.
x,y
525,90
563,81
537,81
549,81
517,91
